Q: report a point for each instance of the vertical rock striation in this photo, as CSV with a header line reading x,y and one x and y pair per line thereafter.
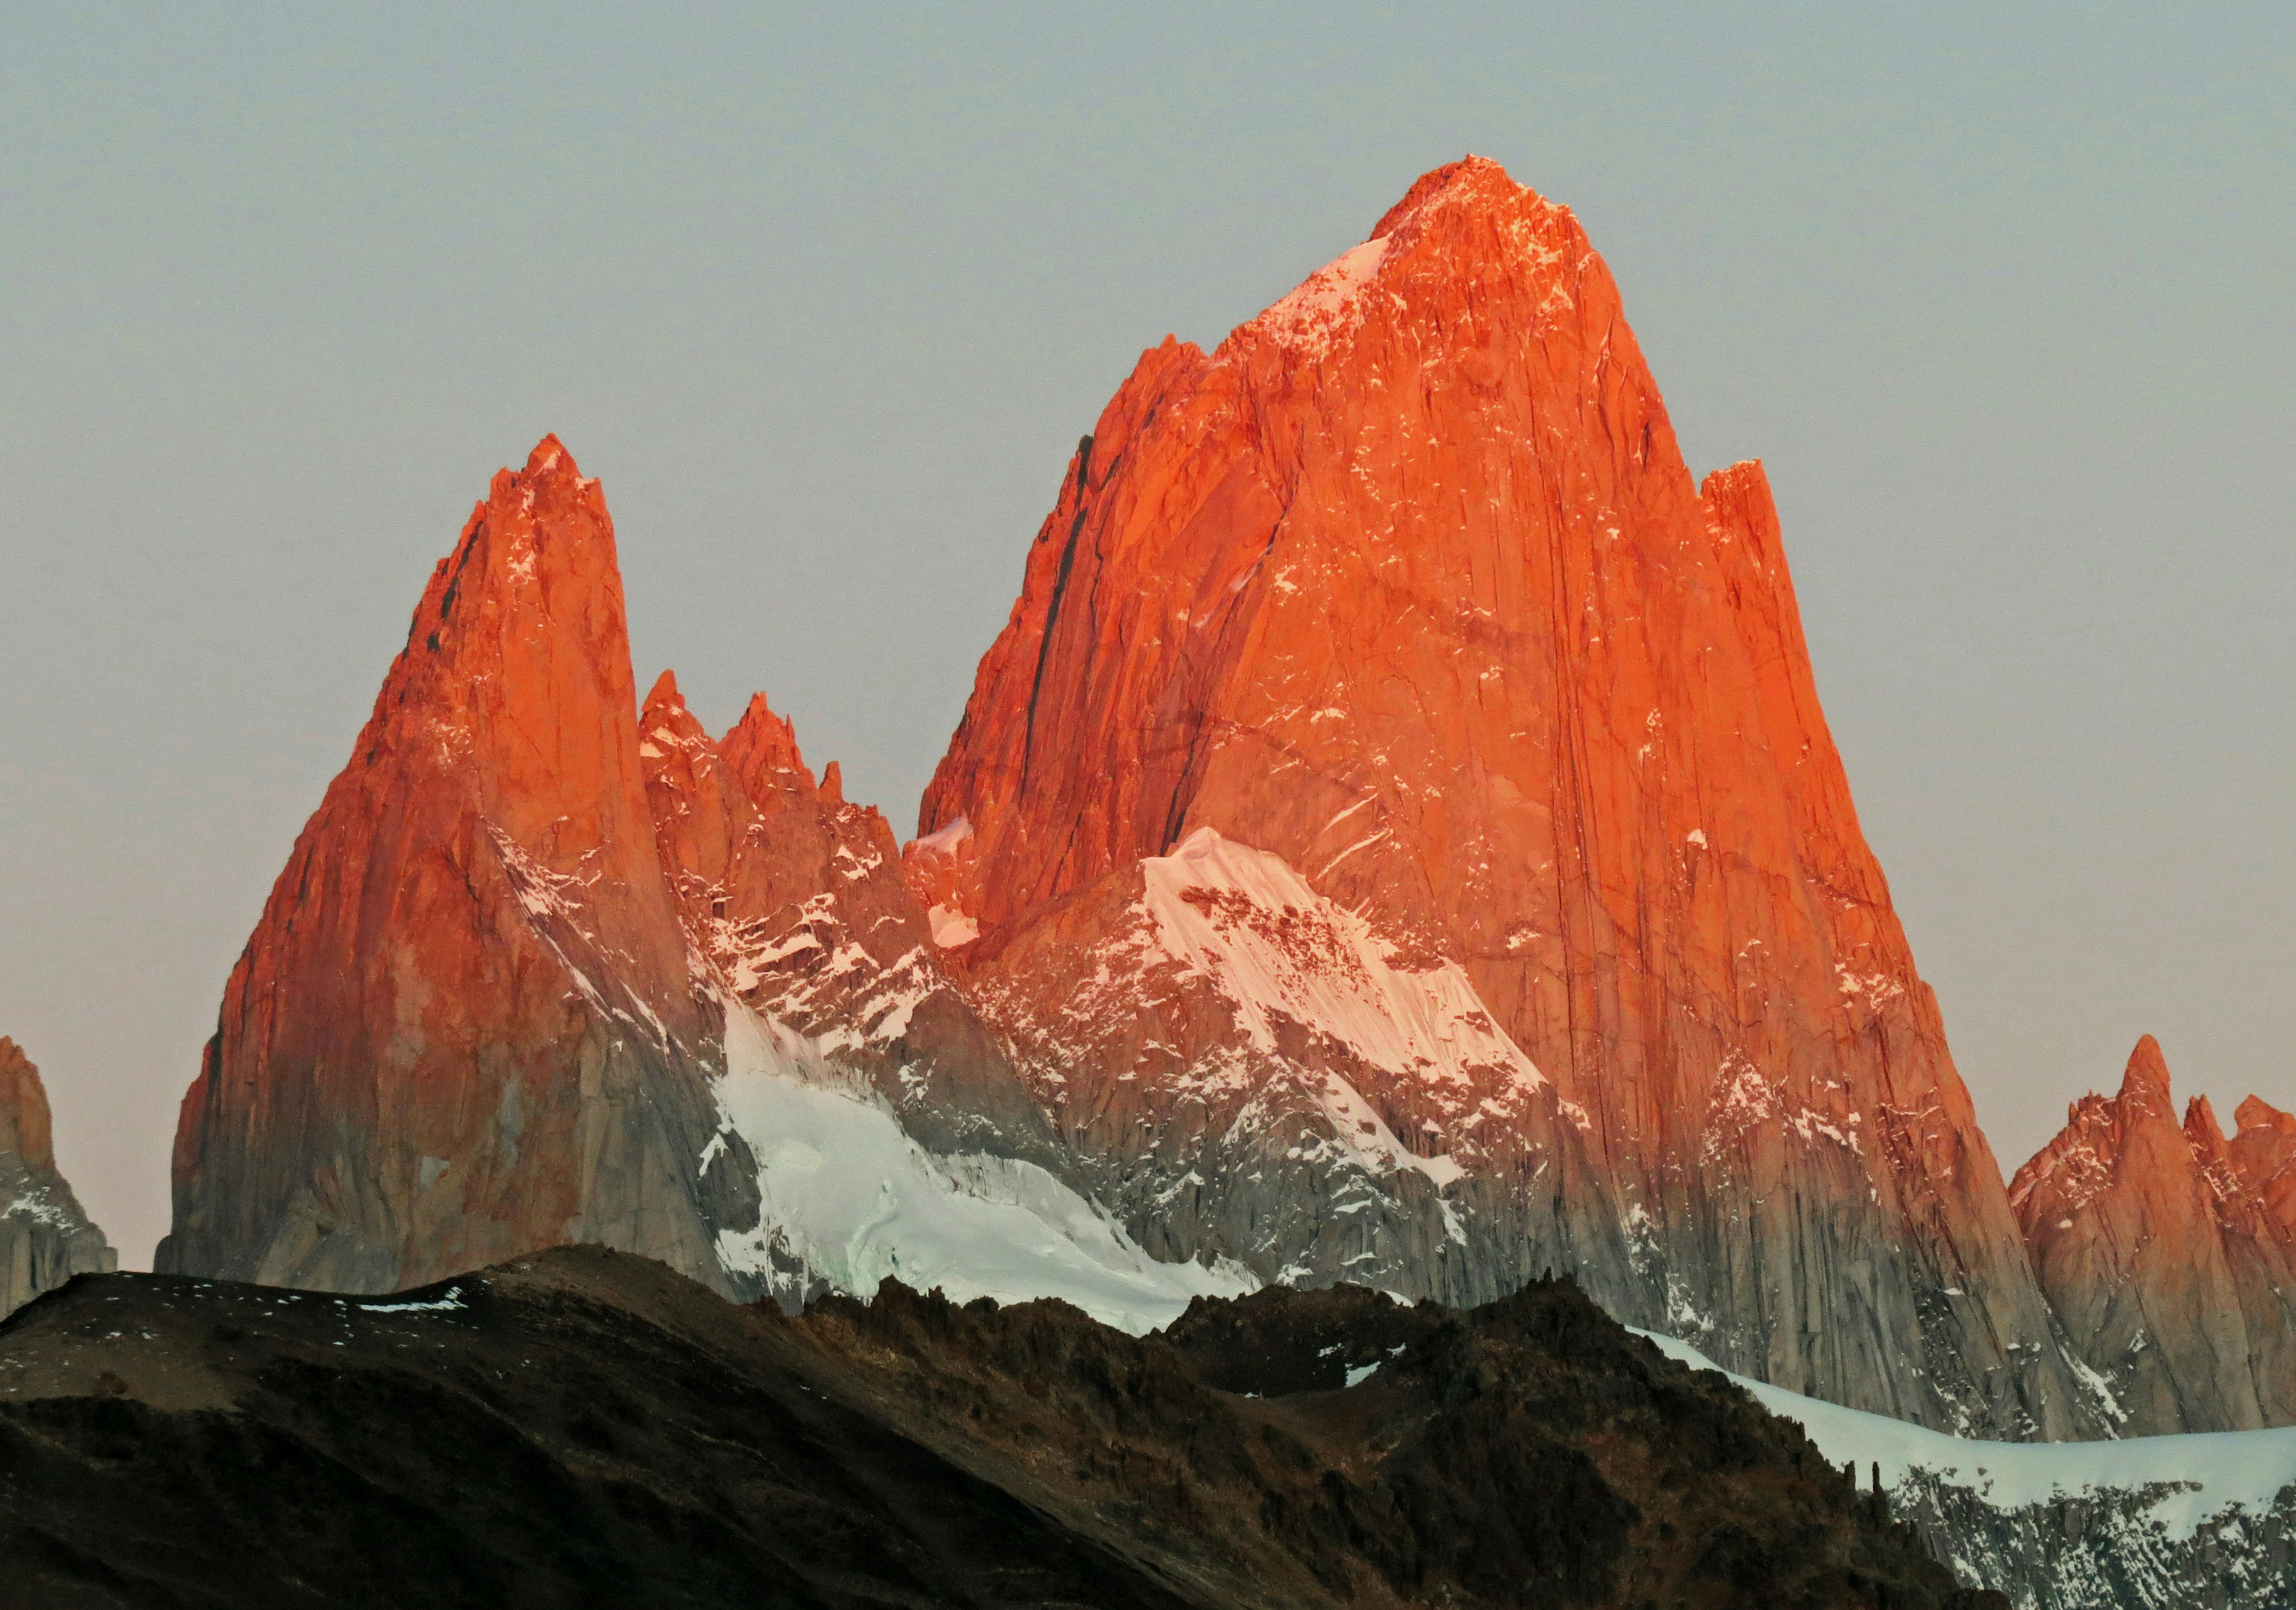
x,y
2165,1252
1404,595
45,1237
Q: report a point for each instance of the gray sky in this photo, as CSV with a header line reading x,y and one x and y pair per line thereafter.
x,y
2003,302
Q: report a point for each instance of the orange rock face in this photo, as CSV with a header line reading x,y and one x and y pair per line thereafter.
x,y
465,1026
1406,588
2263,1156
45,1237
2164,1251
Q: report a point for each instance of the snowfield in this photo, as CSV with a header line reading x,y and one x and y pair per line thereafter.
x,y
850,1200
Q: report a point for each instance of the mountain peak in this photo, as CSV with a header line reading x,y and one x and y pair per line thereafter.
x,y
45,1237
2203,1129
2257,1113
1408,588
2146,1075
473,959
2162,1249
25,1128
1471,182
762,746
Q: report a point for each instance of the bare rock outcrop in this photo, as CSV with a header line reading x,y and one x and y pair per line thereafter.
x,y
465,1026
2166,1257
46,1237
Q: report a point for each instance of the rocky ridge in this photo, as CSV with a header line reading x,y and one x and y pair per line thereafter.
x,y
585,1427
1404,597
46,1237
2168,1253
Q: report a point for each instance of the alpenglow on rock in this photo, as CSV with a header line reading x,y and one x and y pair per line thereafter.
x,y
2169,1254
540,973
464,1027
45,1237
1397,832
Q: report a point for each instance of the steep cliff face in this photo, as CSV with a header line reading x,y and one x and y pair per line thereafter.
x,y
1405,594
2164,1257
45,1237
465,1026
2264,1158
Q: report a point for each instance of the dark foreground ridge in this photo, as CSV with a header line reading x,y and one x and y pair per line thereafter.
x,y
585,1427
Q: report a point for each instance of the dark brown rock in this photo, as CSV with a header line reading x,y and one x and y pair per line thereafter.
x,y
586,1428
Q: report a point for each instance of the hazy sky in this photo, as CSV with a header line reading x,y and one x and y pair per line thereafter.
x,y
826,298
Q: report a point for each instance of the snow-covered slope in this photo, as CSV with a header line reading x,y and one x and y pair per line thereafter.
x,y
848,1197
2204,1519
1244,1068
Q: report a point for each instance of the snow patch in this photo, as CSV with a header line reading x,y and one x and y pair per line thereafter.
x,y
33,1204
438,1305
851,1199
951,929
2198,1475
944,841
1328,303
1245,920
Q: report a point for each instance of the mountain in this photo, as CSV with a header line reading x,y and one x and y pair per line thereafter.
x,y
1398,836
2168,1253
538,972
464,1026
584,1427
45,1237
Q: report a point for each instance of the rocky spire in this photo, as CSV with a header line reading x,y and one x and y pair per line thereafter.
x,y
46,1237
464,1026
762,748
798,910
2170,1277
2264,1155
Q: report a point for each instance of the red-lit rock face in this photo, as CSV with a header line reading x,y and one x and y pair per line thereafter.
x,y
2263,1156
45,1237
2162,1256
464,1027
1407,587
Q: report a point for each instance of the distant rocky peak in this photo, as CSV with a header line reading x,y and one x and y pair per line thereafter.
x,y
2146,1077
46,1237
762,748
1468,256
2169,1269
1474,185
2263,1154
24,1125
